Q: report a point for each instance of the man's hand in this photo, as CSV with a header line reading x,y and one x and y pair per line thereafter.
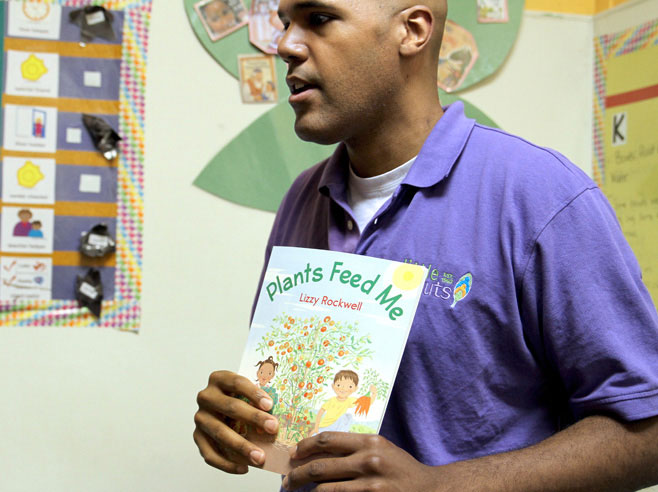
x,y
219,403
362,462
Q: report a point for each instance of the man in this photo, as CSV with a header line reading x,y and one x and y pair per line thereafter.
x,y
545,376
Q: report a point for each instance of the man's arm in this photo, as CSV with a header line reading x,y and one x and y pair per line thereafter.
x,y
596,454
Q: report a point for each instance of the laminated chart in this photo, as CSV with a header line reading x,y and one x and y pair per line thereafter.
x,y
55,186
625,138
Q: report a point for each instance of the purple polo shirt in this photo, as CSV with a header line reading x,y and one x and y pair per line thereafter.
x,y
557,324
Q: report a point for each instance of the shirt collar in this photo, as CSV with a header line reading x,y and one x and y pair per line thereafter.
x,y
442,148
435,160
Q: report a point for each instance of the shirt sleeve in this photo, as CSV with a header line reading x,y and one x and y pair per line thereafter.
x,y
588,315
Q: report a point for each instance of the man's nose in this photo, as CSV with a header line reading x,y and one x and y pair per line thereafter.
x,y
292,47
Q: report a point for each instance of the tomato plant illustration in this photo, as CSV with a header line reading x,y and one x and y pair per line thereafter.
x,y
310,351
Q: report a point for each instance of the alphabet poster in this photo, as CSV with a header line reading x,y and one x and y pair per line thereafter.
x,y
625,137
60,62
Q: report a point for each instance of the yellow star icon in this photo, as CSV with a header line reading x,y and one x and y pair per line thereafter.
x,y
29,175
33,68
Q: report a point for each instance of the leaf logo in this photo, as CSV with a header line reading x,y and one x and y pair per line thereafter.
x,y
462,289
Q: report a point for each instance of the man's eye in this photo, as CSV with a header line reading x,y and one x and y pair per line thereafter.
x,y
318,19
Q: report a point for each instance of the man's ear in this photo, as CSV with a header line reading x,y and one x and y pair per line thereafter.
x,y
419,25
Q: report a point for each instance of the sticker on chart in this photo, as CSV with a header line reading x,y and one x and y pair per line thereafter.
x,y
34,19
493,11
265,27
74,135
458,54
25,279
92,78
30,128
257,78
221,17
27,230
90,183
28,180
32,74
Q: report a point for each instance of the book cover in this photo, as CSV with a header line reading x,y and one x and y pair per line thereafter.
x,y
325,343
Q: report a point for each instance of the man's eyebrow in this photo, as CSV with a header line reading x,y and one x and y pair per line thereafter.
x,y
308,4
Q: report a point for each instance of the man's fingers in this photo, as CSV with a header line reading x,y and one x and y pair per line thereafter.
x,y
232,444
321,470
339,443
213,400
230,382
211,455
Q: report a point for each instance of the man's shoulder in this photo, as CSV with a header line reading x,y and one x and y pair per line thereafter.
x,y
524,165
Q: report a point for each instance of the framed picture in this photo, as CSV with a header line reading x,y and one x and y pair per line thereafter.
x,y
257,79
221,17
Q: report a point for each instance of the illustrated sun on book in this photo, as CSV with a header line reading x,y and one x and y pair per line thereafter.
x,y
326,341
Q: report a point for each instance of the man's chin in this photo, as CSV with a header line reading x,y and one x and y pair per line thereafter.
x,y
316,134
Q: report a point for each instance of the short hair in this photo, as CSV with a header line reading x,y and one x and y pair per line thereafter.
x,y
351,375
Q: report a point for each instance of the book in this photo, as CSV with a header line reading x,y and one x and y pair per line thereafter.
x,y
326,341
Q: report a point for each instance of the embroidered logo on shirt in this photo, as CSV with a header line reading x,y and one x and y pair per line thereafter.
x,y
462,288
442,285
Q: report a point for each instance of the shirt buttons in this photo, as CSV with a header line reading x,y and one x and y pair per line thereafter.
x,y
350,225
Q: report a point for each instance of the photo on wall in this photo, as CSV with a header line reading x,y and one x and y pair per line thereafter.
x,y
257,79
221,17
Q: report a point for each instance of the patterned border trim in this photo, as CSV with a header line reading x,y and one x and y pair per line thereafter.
x,y
606,47
124,312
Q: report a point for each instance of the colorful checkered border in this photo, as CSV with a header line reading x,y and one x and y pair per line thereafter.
x,y
124,312
606,47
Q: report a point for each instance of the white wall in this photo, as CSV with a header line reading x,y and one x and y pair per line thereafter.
x,y
98,410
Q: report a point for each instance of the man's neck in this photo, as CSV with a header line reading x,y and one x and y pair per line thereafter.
x,y
395,142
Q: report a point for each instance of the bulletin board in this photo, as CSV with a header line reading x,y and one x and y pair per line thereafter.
x,y
56,185
625,138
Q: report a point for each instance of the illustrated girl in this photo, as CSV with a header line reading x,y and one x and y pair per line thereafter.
x,y
266,370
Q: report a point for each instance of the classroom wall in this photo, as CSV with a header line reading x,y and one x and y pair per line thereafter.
x,y
98,410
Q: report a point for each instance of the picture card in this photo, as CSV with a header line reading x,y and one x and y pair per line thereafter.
x,y
34,19
32,74
493,11
27,230
25,279
28,180
458,54
30,128
265,27
221,17
257,78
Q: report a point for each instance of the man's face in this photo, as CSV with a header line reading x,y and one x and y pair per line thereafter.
x,y
342,66
344,387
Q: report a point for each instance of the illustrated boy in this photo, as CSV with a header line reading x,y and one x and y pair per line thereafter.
x,y
35,231
333,415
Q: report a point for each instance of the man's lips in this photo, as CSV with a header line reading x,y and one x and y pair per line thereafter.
x,y
298,86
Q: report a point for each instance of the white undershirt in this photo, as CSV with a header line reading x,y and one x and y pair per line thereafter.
x,y
365,196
